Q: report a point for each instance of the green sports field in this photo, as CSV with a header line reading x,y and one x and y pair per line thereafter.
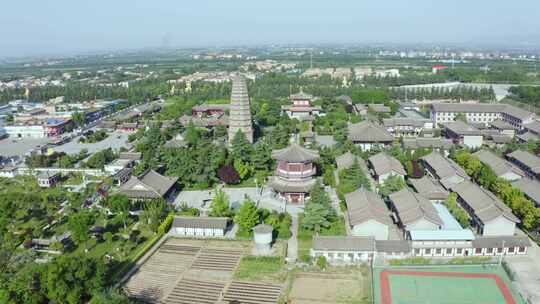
x,y
444,285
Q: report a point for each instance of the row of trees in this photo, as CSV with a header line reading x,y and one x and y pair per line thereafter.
x,y
511,196
462,92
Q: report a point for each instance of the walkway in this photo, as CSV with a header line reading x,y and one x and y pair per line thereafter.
x,y
292,243
527,269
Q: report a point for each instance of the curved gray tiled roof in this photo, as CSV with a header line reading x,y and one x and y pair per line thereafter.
x,y
428,188
411,207
148,185
498,164
367,131
444,167
281,185
462,128
383,163
344,243
528,159
427,142
295,154
486,205
346,160
301,95
364,205
531,188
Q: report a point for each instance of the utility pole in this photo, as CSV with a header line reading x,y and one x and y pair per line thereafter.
x,y
311,59
502,254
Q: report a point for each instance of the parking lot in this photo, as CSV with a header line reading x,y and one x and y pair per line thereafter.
x,y
18,147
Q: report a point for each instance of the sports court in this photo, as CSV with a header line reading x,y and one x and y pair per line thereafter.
x,y
444,285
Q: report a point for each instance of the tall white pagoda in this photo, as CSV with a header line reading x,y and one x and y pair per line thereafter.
x,y
240,112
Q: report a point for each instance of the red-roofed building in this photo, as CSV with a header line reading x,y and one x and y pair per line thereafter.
x,y
438,68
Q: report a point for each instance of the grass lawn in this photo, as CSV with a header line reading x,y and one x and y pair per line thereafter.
x,y
261,269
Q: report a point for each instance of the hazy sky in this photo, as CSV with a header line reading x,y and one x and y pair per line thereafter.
x,y
58,26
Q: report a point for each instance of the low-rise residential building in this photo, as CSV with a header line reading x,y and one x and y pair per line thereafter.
x,y
367,135
438,144
117,165
149,185
462,133
8,171
379,108
368,214
529,187
488,214
441,243
209,110
204,122
129,127
443,169
47,179
500,245
482,113
134,156
344,249
407,127
499,165
503,128
526,161
429,189
348,250
346,160
384,166
201,227
414,212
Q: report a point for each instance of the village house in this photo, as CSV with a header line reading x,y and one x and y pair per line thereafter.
x,y
437,144
499,165
149,185
201,227
529,187
414,212
462,133
526,161
368,214
443,169
489,215
407,127
385,166
367,135
429,189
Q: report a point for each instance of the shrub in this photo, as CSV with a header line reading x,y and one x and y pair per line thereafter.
x,y
228,175
165,226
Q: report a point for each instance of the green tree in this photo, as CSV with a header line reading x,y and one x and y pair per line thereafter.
x,y
459,213
247,217
119,204
110,296
319,213
79,224
392,184
78,119
262,156
220,204
154,211
241,148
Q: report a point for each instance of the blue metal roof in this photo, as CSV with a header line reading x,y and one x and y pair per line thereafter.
x,y
441,235
449,222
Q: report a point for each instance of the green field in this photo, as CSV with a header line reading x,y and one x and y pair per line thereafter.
x,y
410,288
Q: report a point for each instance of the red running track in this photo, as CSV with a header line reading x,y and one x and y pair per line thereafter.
x,y
386,294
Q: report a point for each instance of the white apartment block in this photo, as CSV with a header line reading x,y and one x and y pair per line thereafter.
x,y
481,113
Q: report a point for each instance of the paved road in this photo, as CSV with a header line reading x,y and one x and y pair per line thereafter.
x,y
292,243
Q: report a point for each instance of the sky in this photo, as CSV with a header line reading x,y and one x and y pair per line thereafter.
x,y
38,27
